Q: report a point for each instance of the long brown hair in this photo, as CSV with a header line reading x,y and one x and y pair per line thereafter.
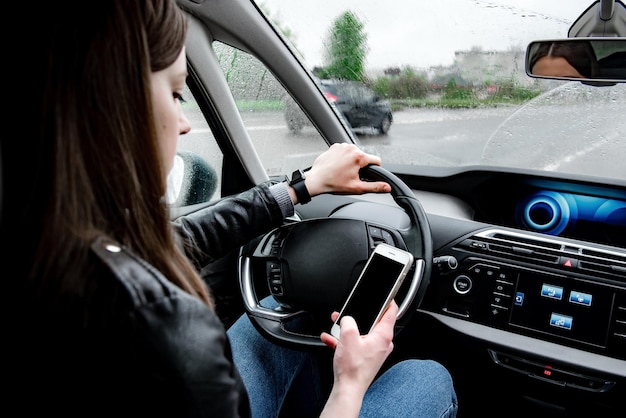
x,y
579,54
99,169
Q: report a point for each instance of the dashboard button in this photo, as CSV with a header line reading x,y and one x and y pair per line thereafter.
x,y
462,284
568,262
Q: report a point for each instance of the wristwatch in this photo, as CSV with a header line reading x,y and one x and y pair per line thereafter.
x,y
297,182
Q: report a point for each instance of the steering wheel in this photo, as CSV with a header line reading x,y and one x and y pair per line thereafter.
x,y
310,266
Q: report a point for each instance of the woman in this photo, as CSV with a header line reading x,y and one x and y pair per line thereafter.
x,y
114,317
564,59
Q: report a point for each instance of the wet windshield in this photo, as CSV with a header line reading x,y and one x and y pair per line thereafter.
x,y
453,74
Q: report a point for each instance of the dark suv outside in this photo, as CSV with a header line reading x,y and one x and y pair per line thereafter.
x,y
360,106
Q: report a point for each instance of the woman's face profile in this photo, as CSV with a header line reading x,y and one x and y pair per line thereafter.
x,y
555,67
167,88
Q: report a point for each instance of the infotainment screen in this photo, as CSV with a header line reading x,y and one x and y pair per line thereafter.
x,y
565,307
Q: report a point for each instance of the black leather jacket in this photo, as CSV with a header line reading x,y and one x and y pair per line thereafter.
x,y
136,345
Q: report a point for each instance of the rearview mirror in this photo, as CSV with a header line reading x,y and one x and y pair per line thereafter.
x,y
582,59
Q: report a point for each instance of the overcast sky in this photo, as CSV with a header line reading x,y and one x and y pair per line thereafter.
x,y
392,31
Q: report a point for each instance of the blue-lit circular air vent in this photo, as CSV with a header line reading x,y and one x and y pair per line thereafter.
x,y
551,212
548,212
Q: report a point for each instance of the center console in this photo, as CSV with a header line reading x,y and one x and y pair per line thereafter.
x,y
547,288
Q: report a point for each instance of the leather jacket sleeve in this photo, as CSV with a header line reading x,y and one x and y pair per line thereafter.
x,y
182,363
212,232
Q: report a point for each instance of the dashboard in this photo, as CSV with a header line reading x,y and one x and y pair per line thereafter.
x,y
531,270
556,208
529,276
535,269
554,289
528,283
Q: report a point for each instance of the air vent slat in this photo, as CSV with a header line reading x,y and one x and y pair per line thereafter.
x,y
600,254
528,241
604,267
526,254
521,250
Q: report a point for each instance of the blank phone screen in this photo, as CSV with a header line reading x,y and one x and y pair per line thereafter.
x,y
372,290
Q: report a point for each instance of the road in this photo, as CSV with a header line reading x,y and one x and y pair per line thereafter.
x,y
441,137
450,138
417,136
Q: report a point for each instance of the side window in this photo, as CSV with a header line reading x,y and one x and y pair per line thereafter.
x,y
282,134
199,150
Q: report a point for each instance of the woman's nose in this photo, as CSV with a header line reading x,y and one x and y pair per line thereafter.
x,y
185,126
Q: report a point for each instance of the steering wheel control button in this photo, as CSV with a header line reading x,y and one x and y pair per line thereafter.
x,y
375,232
387,238
462,284
276,242
379,235
274,279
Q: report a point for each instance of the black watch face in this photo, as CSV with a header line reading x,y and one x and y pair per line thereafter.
x,y
297,176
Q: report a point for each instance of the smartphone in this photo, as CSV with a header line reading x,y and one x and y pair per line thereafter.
x,y
375,288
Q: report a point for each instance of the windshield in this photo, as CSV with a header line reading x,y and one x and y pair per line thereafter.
x,y
431,85
453,75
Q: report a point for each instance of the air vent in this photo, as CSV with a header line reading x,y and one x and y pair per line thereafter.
x,y
550,251
614,256
608,262
524,252
527,240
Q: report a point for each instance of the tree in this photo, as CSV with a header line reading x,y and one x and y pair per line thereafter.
x,y
346,48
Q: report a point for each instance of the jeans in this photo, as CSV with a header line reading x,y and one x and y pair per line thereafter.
x,y
410,388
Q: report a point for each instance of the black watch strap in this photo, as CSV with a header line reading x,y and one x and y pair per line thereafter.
x,y
297,182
